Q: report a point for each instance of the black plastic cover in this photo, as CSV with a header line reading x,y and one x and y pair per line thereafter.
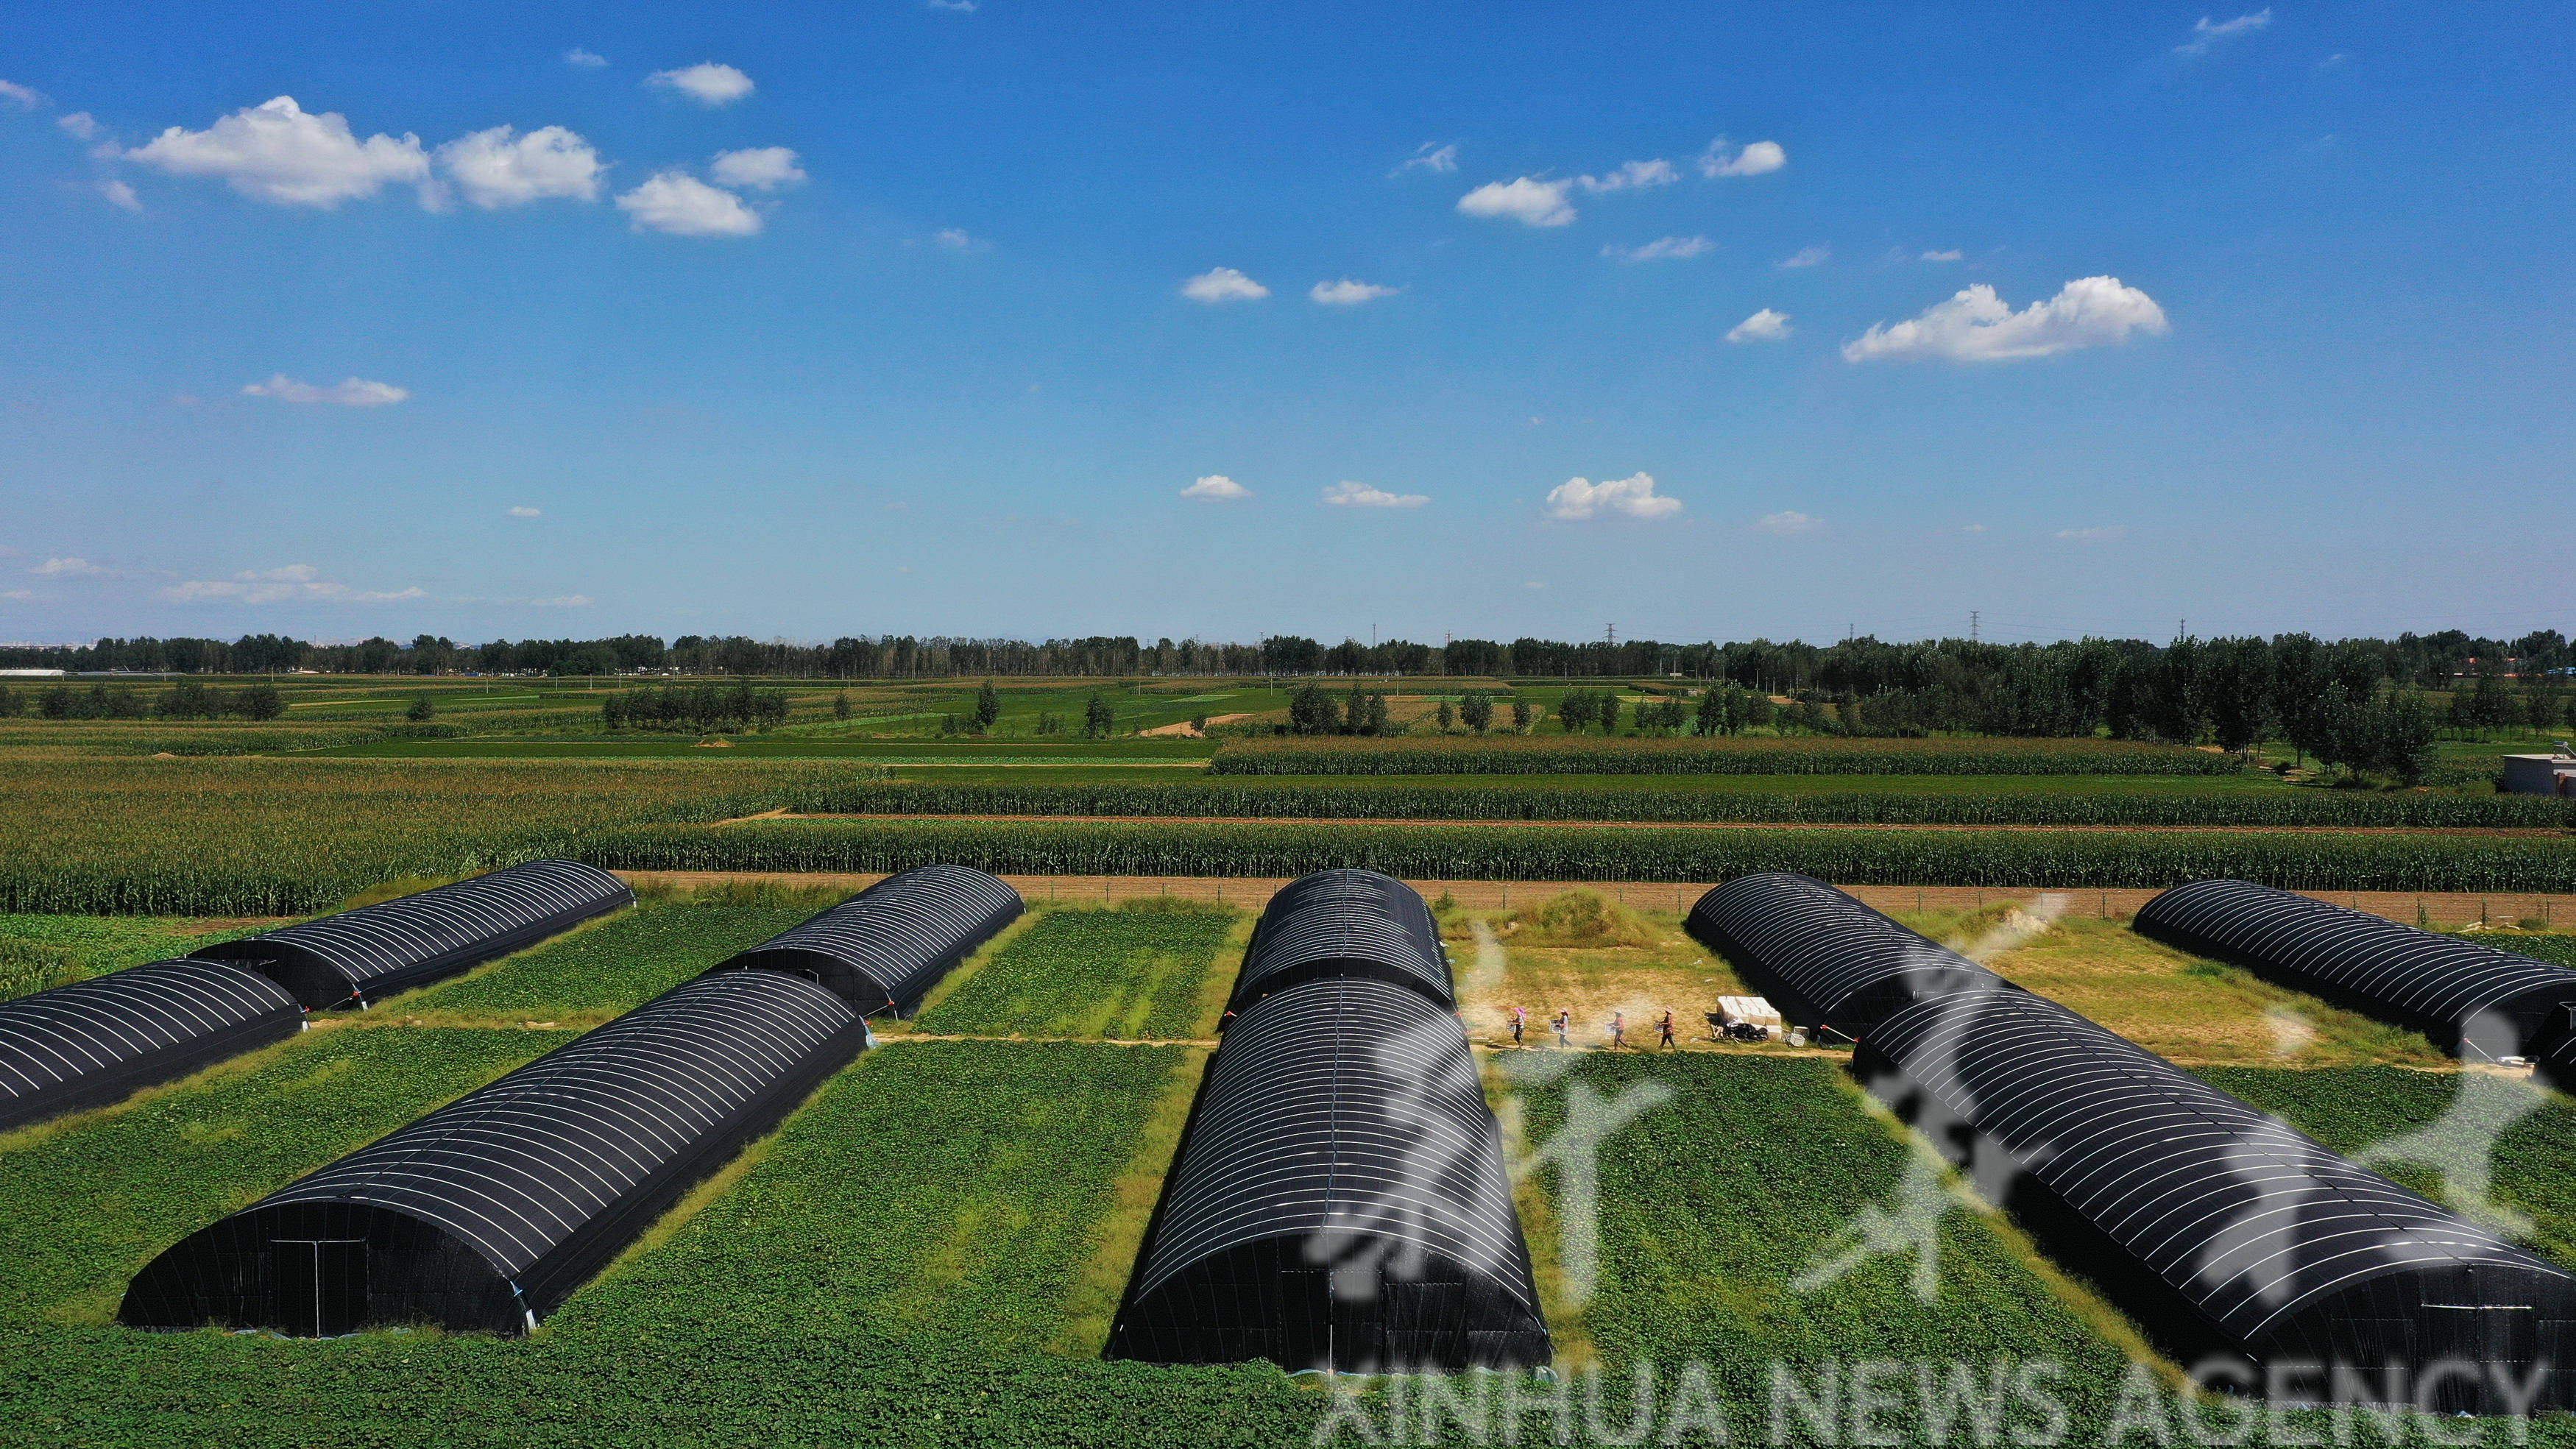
x,y
2470,999
884,948
365,955
487,1213
1338,1200
1823,958
100,1041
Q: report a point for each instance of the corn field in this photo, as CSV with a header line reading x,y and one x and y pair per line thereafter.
x,y
1610,755
2085,859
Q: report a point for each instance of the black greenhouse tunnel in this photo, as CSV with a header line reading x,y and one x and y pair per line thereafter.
x,y
884,948
1338,1200
2220,1229
2471,999
1344,923
99,1041
487,1214
365,955
1823,958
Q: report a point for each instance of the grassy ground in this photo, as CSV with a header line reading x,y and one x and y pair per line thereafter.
x,y
2176,1005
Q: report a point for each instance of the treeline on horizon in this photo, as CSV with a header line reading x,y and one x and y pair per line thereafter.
x,y
1862,666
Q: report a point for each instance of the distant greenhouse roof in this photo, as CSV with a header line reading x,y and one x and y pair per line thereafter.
x,y
884,948
372,952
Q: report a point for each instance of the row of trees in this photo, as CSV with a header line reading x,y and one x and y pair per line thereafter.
x,y
698,708
185,700
2024,680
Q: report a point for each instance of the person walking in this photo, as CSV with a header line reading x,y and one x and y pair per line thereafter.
x,y
1664,1030
1564,1017
1618,1030
1520,1019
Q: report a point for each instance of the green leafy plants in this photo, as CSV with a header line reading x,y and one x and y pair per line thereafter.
x,y
1716,1205
1119,973
613,966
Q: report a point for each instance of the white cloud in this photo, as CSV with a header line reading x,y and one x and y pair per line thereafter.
x,y
1786,525
527,513
962,7
355,392
2204,30
1976,325
22,97
1951,255
1529,201
498,167
2110,534
278,152
1216,488
584,59
1428,157
80,125
1636,175
120,194
560,601
1755,159
1630,497
707,83
17,593
956,239
1347,293
66,568
2330,62
761,168
295,583
682,205
1361,495
1223,284
1972,528
1662,248
1533,584
1763,326
1810,257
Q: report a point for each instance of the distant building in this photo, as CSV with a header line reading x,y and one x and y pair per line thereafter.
x,y
2540,774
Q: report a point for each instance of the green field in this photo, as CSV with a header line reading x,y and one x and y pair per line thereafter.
x,y
608,967
1121,974
930,1250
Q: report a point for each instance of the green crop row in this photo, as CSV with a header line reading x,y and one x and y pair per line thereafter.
x,y
1574,755
1435,799
613,966
1121,974
262,837
2104,859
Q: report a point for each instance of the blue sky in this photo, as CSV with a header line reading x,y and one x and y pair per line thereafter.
x,y
948,361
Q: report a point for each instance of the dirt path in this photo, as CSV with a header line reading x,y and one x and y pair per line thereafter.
x,y
1187,731
2513,831
2446,911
